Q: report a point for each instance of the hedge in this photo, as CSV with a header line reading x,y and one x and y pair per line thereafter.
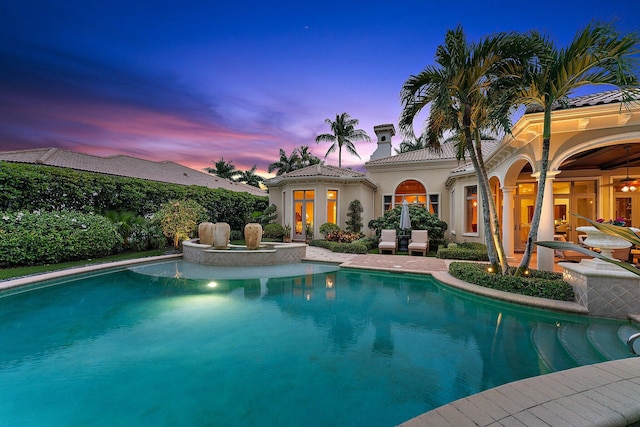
x,y
26,187
541,284
469,251
52,237
347,248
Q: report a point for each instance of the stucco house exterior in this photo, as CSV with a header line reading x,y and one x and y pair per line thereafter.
x,y
595,152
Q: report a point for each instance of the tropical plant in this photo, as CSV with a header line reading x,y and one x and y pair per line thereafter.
x,y
266,216
306,157
421,219
354,216
344,134
414,144
328,227
457,90
250,177
285,164
614,230
179,219
223,169
273,231
597,55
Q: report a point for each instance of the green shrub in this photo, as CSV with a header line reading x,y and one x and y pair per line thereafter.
x,y
28,187
145,236
52,237
273,231
328,227
236,235
421,219
469,251
541,284
349,248
179,219
354,216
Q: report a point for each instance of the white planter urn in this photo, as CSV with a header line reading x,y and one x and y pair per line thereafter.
x,y
221,234
206,230
253,235
603,241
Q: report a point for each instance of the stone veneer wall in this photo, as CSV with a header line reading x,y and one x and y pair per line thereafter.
x,y
272,254
606,293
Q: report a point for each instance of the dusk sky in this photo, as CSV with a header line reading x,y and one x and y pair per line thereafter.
x,y
195,81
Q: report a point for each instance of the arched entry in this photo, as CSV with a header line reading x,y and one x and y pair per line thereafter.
x,y
412,191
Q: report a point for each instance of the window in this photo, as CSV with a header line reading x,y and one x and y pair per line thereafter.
x,y
387,203
411,191
471,209
332,206
434,204
303,211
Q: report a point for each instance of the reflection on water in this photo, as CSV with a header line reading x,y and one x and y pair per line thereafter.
x,y
319,347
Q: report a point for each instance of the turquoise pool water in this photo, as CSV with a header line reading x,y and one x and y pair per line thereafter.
x,y
173,344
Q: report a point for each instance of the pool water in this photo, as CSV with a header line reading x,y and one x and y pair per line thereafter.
x,y
173,344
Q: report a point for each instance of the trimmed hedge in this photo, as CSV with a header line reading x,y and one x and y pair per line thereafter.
x,y
26,187
273,231
53,237
346,248
542,284
469,251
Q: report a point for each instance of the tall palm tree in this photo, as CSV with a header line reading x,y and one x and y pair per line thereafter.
x,y
223,169
457,89
285,164
250,177
344,135
412,145
597,55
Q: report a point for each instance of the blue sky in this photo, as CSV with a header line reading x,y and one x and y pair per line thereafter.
x,y
193,82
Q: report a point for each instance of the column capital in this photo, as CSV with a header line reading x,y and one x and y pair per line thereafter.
x,y
508,188
551,175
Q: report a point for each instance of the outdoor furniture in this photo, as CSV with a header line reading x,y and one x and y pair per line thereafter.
x,y
567,255
419,242
388,241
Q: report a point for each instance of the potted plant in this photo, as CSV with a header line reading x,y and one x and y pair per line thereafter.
x,y
286,237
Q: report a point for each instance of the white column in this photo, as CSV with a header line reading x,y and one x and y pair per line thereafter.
x,y
546,227
508,232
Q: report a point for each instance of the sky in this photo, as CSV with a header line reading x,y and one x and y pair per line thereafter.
x,y
197,81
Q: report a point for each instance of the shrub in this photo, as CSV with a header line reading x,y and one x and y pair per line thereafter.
x,y
328,227
52,237
349,248
145,236
541,284
421,219
273,231
179,219
236,235
343,236
354,215
470,251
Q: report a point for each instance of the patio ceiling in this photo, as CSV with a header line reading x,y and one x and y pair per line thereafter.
x,y
605,158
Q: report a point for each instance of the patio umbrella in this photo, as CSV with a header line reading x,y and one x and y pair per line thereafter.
x,y
405,220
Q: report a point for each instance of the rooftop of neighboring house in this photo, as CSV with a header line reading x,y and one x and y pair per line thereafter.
x,y
120,165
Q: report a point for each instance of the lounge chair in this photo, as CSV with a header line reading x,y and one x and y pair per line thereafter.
x,y
388,241
567,255
419,242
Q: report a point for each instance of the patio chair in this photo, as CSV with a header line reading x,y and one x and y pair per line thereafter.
x,y
419,242
567,255
388,241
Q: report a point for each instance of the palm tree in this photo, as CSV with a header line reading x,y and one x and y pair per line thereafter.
x,y
249,177
597,55
285,164
412,145
344,135
457,89
307,158
223,169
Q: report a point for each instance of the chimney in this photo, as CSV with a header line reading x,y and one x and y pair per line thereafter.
x,y
384,134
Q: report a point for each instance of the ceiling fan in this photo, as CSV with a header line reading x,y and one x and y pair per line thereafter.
x,y
626,184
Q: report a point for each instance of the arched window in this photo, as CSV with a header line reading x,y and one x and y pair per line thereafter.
x,y
411,191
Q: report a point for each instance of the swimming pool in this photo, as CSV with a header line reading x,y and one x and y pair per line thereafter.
x,y
173,344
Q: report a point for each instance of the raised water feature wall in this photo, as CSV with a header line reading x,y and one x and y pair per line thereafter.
x,y
237,256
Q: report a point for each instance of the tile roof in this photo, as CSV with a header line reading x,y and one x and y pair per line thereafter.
x,y
121,165
319,171
601,98
447,152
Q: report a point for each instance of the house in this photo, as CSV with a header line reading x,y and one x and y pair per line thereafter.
x,y
126,166
594,154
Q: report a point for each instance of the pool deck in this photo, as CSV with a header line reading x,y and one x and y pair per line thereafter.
x,y
604,394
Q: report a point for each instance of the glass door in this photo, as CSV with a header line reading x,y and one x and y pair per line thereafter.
x,y
303,201
524,214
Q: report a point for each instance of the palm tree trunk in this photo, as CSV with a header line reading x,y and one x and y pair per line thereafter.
x,y
542,181
494,223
